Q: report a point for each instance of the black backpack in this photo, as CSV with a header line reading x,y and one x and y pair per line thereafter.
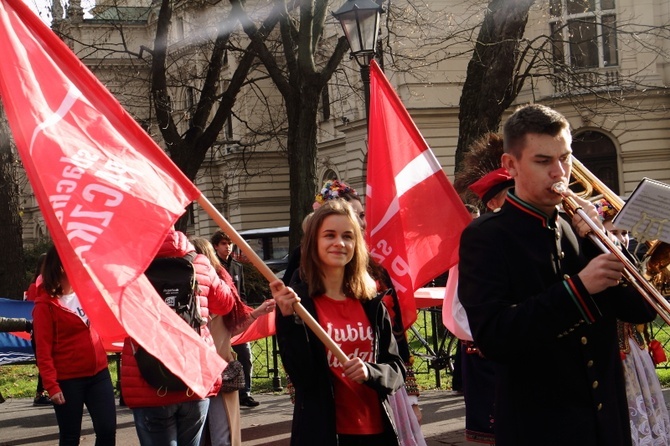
x,y
175,281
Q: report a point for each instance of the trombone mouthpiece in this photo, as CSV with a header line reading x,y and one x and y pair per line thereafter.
x,y
560,188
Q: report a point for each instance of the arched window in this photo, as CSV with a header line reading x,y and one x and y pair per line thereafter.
x,y
329,174
598,154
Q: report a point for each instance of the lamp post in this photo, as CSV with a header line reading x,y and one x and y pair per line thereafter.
x,y
360,23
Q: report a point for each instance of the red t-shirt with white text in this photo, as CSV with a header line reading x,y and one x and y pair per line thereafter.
x,y
357,407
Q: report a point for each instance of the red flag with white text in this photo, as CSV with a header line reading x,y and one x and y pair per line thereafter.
x,y
413,214
108,193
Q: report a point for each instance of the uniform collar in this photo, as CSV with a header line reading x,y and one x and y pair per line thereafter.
x,y
547,221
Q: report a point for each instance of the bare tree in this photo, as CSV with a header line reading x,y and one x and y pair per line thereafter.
x,y
300,69
504,61
198,65
493,81
210,112
195,67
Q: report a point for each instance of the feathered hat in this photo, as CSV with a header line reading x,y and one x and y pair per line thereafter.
x,y
491,184
479,165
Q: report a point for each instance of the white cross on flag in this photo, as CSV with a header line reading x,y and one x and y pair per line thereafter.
x,y
414,216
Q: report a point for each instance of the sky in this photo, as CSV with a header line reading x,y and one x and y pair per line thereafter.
x,y
43,7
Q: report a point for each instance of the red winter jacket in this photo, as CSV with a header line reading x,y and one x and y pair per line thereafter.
x,y
214,296
66,347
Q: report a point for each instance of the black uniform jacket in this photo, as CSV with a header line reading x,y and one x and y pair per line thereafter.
x,y
236,271
304,357
559,378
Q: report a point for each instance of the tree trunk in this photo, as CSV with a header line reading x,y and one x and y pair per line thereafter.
x,y
302,153
492,80
12,266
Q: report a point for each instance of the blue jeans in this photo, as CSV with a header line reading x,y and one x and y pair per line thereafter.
x,y
217,422
172,425
97,393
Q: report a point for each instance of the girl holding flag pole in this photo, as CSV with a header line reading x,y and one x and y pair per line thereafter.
x,y
405,402
338,403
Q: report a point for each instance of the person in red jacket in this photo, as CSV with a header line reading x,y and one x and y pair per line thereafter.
x,y
177,417
71,358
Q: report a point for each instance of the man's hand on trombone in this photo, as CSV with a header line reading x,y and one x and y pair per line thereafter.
x,y
602,272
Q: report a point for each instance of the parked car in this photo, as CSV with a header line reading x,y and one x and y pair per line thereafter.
x,y
271,245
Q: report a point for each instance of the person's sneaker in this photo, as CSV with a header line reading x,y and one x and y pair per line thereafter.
x,y
248,401
42,400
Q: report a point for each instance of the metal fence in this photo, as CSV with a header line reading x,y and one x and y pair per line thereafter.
x,y
266,363
660,331
433,354
432,345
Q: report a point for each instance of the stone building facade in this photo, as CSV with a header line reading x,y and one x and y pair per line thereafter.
x,y
617,103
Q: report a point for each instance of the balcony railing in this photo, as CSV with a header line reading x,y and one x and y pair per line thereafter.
x,y
580,82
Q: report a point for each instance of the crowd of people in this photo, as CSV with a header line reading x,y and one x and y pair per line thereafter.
x,y
555,346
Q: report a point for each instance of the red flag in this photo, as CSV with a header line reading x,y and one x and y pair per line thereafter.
x,y
108,193
262,327
414,216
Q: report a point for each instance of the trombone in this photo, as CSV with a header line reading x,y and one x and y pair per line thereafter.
x,y
657,258
631,274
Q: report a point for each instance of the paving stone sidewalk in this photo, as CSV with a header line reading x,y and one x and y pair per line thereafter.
x,y
268,424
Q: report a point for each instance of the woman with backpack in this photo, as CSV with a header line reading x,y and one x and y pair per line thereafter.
x,y
71,358
175,417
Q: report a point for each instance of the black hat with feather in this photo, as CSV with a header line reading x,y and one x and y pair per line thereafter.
x,y
483,158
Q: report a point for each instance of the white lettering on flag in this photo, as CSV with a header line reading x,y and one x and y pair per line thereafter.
x,y
416,171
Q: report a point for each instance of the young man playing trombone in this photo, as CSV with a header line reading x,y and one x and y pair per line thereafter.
x,y
542,302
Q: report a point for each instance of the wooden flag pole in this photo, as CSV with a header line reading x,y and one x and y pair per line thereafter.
x,y
270,276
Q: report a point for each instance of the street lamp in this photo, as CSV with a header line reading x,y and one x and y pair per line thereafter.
x,y
360,23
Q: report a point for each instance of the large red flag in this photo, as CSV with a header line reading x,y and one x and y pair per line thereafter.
x,y
414,216
108,193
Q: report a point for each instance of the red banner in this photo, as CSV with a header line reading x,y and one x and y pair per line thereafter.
x,y
414,216
261,328
108,193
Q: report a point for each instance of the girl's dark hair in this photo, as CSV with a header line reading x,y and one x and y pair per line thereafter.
x,y
52,273
38,267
